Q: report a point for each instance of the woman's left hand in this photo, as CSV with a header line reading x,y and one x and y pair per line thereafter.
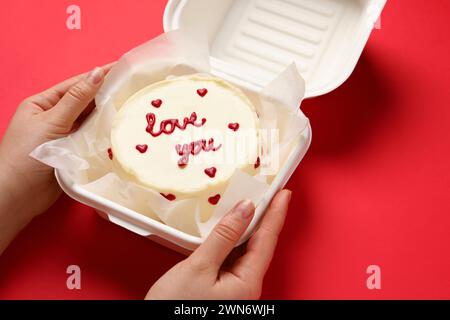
x,y
29,187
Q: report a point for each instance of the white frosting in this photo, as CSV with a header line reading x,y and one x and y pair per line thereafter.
x,y
158,167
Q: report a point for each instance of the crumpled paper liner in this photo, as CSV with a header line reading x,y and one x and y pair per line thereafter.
x,y
83,154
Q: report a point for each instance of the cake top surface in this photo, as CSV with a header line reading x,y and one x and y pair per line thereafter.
x,y
185,135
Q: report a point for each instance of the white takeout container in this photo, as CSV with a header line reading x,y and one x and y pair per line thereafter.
x,y
251,41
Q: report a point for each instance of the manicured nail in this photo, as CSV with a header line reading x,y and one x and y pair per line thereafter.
x,y
244,208
289,194
96,75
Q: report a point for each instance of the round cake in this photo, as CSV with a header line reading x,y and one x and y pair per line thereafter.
x,y
185,137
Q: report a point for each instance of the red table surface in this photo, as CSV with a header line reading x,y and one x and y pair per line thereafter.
x,y
373,189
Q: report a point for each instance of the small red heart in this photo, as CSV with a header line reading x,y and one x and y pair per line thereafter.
x,y
233,126
169,196
110,153
257,163
214,199
202,92
142,148
157,103
183,161
211,172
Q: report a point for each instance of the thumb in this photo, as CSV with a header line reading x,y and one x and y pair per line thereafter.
x,y
226,234
78,97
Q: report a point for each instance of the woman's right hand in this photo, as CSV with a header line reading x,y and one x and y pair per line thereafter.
x,y
217,270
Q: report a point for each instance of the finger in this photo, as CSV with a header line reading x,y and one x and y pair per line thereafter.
x,y
261,245
50,97
235,254
87,111
62,87
77,98
225,235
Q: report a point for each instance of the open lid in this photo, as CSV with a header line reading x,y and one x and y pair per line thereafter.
x,y
252,41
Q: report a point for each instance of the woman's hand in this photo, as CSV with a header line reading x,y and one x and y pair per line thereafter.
x,y
217,271
27,186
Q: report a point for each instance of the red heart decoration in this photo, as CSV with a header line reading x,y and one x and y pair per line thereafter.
x,y
257,163
142,148
169,196
233,126
157,103
214,199
110,153
202,92
183,162
211,172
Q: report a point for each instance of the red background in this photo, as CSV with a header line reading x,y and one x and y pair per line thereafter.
x,y
373,189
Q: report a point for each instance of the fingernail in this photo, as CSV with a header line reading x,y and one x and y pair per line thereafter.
x,y
289,194
96,75
244,208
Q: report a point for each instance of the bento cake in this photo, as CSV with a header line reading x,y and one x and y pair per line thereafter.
x,y
183,137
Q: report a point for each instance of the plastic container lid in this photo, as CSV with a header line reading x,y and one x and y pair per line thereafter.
x,y
251,41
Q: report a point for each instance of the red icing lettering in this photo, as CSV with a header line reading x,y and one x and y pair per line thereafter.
x,y
168,126
194,148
